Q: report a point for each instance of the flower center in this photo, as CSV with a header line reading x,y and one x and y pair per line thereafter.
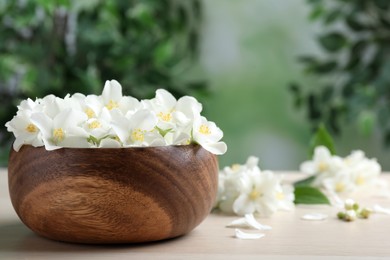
x,y
167,117
58,135
204,129
360,180
254,194
138,135
323,166
89,113
95,124
112,104
31,128
340,187
280,196
235,167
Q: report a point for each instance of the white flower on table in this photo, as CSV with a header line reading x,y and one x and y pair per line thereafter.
x,y
340,182
341,175
321,163
261,192
365,171
64,130
245,189
228,189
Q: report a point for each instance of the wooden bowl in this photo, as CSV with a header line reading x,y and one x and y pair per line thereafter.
x,y
123,195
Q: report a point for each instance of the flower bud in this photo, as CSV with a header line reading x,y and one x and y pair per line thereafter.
x,y
349,204
350,215
365,213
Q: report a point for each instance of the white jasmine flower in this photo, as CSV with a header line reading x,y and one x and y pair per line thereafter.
x,y
321,163
99,128
365,172
138,130
340,182
208,135
63,130
112,98
163,105
25,131
245,189
112,120
260,192
341,175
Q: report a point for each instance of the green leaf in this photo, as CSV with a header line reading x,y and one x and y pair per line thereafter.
x,y
366,122
317,12
305,182
309,195
322,137
333,41
163,132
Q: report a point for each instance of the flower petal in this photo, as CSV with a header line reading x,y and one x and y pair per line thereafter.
x,y
379,209
109,143
215,148
245,235
165,99
112,91
250,219
43,122
314,216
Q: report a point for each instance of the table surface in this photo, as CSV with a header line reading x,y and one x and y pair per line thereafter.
x,y
290,238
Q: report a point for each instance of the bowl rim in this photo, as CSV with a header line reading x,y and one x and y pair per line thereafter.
x,y
162,147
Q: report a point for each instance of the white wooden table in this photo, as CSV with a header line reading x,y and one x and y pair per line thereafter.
x,y
290,238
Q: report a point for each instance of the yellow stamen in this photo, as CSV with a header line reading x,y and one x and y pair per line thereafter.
x,y
31,128
58,135
235,167
204,129
360,180
254,195
340,187
323,166
90,113
95,124
167,117
138,135
112,104
280,196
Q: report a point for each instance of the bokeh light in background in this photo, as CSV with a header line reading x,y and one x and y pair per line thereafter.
x,y
250,54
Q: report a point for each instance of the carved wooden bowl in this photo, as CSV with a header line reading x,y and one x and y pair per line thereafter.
x,y
123,195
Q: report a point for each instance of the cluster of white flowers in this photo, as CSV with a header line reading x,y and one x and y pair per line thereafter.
x,y
339,174
112,120
245,189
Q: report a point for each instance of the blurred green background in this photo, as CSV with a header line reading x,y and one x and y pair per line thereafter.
x,y
237,57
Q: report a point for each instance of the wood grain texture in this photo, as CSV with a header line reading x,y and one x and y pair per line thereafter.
x,y
112,195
